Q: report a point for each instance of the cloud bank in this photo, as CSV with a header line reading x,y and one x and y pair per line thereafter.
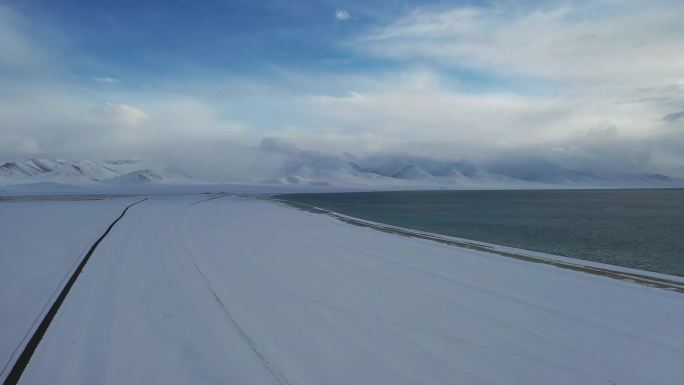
x,y
593,85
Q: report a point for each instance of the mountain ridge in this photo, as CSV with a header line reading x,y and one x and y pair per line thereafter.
x,y
66,171
329,171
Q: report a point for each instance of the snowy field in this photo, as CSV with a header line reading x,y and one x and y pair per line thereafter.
x,y
237,290
40,242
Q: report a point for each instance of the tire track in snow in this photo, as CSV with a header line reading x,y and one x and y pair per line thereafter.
x,y
20,364
214,196
270,366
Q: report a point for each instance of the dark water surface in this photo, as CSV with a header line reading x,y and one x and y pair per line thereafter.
x,y
643,229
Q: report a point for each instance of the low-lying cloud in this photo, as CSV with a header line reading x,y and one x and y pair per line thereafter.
x,y
606,94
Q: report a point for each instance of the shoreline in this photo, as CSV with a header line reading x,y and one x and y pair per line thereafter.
x,y
627,274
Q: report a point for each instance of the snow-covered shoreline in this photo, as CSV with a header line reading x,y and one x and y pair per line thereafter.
x,y
189,289
676,282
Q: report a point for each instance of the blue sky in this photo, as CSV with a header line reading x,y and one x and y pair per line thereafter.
x,y
582,83
162,42
171,38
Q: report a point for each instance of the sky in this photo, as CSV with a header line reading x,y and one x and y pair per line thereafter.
x,y
584,84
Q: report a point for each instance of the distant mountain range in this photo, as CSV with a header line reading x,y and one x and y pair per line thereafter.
x,y
399,171
308,169
78,172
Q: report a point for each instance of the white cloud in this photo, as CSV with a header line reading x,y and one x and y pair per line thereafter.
x,y
122,114
596,41
610,89
16,143
341,14
106,80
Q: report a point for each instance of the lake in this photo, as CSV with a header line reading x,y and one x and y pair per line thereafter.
x,y
639,228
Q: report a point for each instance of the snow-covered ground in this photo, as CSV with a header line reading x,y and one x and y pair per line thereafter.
x,y
245,291
40,241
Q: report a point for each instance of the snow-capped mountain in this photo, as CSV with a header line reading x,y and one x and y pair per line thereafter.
x,y
89,171
458,170
394,175
301,169
394,171
412,172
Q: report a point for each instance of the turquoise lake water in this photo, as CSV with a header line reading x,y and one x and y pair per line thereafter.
x,y
642,228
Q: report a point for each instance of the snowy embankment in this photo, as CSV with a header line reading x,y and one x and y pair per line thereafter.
x,y
245,291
